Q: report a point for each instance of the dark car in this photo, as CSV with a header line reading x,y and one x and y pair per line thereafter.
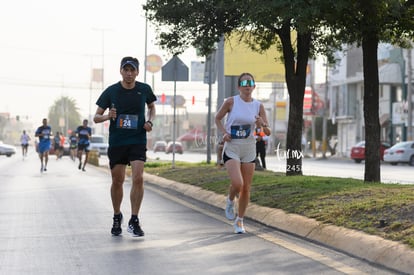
x,y
178,147
159,146
358,151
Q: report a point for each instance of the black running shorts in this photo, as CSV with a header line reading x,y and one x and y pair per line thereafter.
x,y
83,147
226,158
126,153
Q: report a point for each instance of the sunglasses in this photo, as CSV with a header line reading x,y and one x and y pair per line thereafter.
x,y
247,83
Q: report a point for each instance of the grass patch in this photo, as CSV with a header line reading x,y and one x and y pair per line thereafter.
x,y
386,210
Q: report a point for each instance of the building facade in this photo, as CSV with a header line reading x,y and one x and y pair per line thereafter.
x,y
346,94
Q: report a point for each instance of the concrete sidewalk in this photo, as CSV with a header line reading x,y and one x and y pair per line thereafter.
x,y
371,248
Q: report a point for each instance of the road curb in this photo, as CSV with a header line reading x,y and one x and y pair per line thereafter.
x,y
372,248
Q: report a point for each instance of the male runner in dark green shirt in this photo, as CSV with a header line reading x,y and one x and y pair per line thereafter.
x,y
126,101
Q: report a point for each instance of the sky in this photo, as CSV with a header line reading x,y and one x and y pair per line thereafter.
x,y
48,49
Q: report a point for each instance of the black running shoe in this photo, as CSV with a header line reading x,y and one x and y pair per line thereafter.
x,y
116,227
135,229
80,165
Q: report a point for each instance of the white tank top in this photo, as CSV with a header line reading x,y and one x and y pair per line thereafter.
x,y
24,139
240,122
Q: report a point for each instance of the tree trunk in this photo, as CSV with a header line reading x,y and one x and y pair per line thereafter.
x,y
295,74
371,107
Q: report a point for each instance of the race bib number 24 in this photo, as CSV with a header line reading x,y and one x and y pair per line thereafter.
x,y
127,121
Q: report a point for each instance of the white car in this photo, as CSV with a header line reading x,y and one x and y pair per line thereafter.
x,y
98,143
159,146
402,152
7,150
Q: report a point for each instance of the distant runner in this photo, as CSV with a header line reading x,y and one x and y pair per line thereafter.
x,y
84,134
43,133
73,146
24,140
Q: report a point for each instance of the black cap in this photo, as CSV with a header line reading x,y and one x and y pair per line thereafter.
x,y
128,60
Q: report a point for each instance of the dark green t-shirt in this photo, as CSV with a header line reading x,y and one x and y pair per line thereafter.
x,y
130,108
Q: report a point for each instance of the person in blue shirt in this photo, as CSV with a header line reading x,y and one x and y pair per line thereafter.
x,y
73,145
127,101
83,133
56,145
44,134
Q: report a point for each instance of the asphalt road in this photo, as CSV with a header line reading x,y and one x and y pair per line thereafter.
x,y
58,222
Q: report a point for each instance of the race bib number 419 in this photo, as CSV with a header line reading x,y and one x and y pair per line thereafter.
x,y
127,121
240,131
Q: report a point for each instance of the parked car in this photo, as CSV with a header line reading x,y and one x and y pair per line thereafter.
x,y
178,147
402,152
358,151
7,150
159,146
98,143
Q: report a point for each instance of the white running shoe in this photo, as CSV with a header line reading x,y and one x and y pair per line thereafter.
x,y
229,209
238,226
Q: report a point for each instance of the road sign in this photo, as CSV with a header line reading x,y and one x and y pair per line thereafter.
x,y
154,63
174,70
210,68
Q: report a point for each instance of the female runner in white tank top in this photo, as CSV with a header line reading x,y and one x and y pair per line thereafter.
x,y
244,115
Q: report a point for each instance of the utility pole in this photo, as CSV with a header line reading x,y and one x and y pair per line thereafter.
x,y
325,114
312,82
404,89
409,96
210,81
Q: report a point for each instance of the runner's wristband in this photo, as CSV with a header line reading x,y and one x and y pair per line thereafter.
x,y
150,123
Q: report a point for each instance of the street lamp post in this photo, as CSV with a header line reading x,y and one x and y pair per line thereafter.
x,y
146,49
102,54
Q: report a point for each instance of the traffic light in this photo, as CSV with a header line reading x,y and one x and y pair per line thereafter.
x,y
193,100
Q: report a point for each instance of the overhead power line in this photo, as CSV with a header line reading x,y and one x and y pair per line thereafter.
x,y
45,84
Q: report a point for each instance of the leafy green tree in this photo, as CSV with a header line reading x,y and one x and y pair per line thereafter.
x,y
366,23
264,23
64,110
320,27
